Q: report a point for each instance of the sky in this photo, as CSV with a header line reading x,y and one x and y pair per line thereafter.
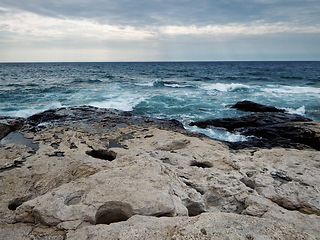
x,y
159,30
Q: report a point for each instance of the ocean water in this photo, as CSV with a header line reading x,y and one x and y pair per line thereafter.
x,y
186,91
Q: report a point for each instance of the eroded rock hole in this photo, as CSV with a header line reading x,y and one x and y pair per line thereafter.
x,y
169,214
205,164
113,211
55,145
194,208
56,154
248,182
102,154
73,146
15,203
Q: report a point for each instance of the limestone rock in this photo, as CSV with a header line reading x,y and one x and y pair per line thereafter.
x,y
138,183
162,181
173,144
204,226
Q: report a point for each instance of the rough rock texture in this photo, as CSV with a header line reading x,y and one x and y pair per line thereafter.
x,y
121,176
205,226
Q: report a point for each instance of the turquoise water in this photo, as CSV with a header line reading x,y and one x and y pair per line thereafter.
x,y
186,91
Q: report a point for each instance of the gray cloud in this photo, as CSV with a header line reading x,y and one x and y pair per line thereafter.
x,y
143,30
142,13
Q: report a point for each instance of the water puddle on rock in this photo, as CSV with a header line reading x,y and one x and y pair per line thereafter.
x,y
18,138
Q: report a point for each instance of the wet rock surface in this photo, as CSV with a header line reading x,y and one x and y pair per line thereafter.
x,y
9,124
91,115
268,128
120,176
254,120
249,106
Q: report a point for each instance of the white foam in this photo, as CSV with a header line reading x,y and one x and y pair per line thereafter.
x,y
145,84
218,134
174,85
290,89
27,112
222,87
120,103
299,111
157,83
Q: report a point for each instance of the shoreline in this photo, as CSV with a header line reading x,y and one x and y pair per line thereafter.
x,y
93,165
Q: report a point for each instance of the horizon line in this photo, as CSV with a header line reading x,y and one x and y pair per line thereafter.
x,y
160,61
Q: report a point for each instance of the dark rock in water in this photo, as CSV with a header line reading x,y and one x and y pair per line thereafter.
x,y
90,115
252,120
249,106
292,134
270,129
9,124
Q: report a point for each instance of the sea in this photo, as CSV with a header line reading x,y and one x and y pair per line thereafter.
x,y
185,91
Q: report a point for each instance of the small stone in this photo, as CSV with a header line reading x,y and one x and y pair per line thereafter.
x,y
203,231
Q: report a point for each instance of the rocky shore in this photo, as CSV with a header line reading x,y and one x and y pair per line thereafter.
x,y
90,173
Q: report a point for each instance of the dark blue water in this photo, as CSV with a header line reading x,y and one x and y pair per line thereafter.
x,y
186,91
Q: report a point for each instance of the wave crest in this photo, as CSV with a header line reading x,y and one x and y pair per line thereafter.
x,y
223,87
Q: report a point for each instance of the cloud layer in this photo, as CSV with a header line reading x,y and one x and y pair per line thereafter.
x,y
174,12
151,30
